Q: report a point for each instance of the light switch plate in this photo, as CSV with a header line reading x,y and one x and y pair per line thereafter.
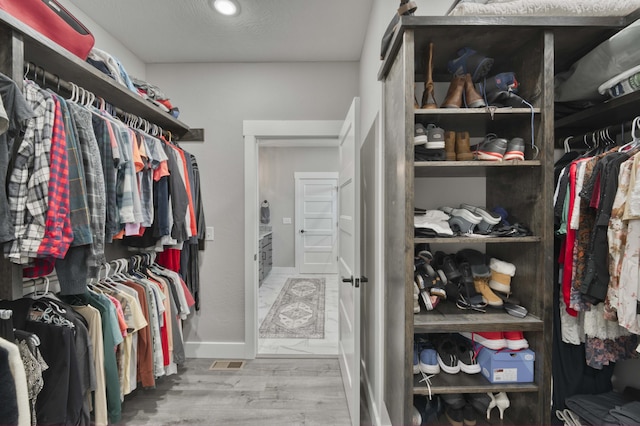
x,y
209,233
286,221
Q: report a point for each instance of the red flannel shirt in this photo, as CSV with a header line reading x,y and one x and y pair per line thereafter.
x,y
58,232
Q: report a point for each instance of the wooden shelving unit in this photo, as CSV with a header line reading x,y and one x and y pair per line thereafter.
x,y
535,48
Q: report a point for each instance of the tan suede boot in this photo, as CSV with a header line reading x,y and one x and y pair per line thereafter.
x,y
450,145
471,96
482,286
463,150
454,94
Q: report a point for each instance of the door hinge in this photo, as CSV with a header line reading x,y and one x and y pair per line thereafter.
x,y
255,257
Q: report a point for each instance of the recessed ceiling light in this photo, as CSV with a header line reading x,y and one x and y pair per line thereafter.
x,y
226,7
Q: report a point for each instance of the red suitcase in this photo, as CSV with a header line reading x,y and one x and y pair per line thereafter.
x,y
52,20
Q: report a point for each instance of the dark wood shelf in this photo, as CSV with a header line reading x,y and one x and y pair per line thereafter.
x,y
475,168
447,318
50,56
478,240
613,112
462,112
444,383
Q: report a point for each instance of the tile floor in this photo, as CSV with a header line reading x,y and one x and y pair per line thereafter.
x,y
268,293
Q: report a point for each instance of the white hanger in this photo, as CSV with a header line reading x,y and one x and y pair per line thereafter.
x,y
634,140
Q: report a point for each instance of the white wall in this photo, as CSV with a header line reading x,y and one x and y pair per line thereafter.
x,y
107,42
371,106
218,97
277,184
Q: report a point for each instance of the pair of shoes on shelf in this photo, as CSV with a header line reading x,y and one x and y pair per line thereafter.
x,y
497,340
468,218
500,400
461,408
457,146
431,136
499,149
455,355
461,93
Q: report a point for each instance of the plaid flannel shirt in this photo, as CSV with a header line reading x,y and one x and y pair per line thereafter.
x,y
28,183
94,178
58,234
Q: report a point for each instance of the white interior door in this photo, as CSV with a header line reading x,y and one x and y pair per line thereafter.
x,y
349,261
316,216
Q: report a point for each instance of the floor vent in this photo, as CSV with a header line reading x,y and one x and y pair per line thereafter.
x,y
227,365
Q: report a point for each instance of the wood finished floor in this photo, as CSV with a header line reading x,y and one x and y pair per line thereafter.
x,y
266,391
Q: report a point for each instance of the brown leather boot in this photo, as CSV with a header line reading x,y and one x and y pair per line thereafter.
x,y
454,94
450,145
428,99
463,150
471,96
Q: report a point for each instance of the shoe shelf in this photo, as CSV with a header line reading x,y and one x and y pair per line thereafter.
x,y
444,383
474,168
447,318
614,111
478,240
480,121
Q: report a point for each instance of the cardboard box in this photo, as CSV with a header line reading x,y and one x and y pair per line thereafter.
x,y
506,366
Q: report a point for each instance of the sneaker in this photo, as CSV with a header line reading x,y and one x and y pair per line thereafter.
x,y
515,340
472,62
515,150
503,82
476,259
469,415
461,220
416,297
467,357
429,361
435,285
445,263
489,339
420,135
416,360
479,401
447,356
435,220
454,400
454,415
433,408
435,137
491,149
489,220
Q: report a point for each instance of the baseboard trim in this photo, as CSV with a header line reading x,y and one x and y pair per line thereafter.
x,y
235,350
374,412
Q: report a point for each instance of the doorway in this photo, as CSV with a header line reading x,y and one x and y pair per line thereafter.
x,y
274,152
316,207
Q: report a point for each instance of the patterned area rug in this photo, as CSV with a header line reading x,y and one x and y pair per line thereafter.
x,y
298,312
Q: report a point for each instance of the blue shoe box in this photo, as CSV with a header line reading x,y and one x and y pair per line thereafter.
x,y
506,366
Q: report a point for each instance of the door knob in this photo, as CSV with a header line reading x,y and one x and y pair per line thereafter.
x,y
302,231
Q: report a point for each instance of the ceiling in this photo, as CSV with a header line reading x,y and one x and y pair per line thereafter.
x,y
181,31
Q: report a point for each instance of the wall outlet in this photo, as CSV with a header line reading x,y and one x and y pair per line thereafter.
x,y
286,221
209,233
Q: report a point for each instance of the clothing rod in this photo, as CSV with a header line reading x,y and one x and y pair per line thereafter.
x,y
46,78
585,140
